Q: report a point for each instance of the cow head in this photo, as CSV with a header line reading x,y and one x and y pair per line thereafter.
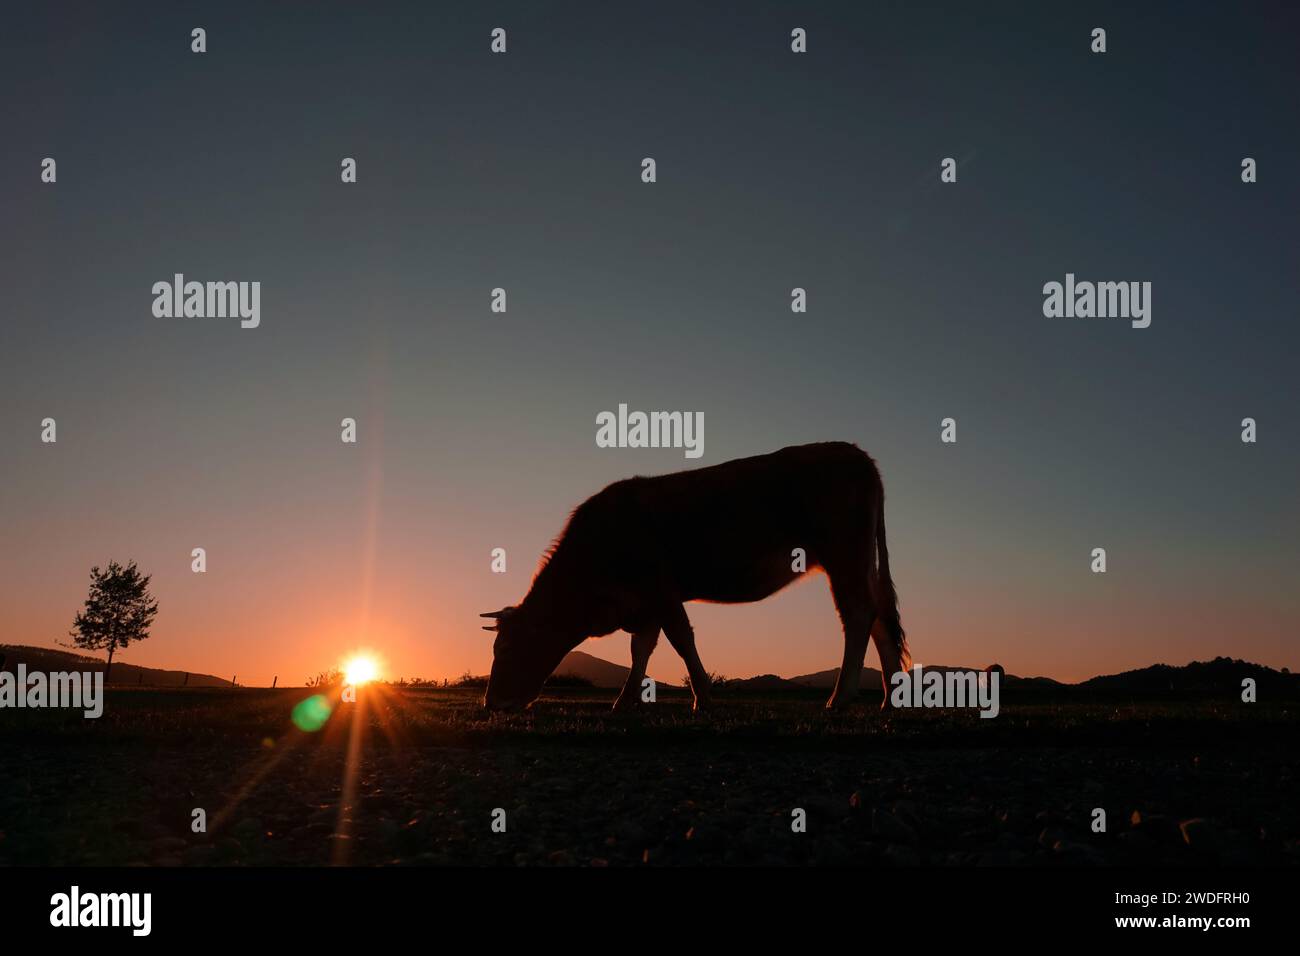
x,y
524,654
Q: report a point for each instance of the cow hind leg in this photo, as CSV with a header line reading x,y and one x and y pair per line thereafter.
x,y
680,634
888,638
643,645
852,593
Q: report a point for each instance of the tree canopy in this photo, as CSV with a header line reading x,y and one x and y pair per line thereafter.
x,y
119,609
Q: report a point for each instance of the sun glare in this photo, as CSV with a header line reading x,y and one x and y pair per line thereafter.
x,y
360,670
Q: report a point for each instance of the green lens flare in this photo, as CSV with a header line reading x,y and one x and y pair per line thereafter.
x,y
310,715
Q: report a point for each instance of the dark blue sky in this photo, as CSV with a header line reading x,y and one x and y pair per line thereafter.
x,y
775,170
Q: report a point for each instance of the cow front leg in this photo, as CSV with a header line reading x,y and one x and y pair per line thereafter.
x,y
643,645
680,634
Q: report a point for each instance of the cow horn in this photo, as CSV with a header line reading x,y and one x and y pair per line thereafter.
x,y
498,615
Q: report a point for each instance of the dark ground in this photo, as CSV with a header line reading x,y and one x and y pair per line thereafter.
x,y
582,786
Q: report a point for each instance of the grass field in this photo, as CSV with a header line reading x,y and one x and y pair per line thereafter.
x,y
1183,782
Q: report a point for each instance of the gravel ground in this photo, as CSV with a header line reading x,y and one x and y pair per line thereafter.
x,y
1189,782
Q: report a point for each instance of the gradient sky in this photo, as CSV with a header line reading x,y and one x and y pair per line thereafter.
x,y
523,171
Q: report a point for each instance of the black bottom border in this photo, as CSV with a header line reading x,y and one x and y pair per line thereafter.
x,y
364,906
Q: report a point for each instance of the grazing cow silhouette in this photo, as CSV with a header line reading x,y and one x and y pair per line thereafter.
x,y
632,554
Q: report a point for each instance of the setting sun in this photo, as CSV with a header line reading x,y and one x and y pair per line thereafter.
x,y
360,670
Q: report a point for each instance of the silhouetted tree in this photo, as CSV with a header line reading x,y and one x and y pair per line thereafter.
x,y
118,611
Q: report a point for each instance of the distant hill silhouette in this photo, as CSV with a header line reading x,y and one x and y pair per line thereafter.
x,y
871,677
1223,675
765,682
51,659
600,672
603,673
826,679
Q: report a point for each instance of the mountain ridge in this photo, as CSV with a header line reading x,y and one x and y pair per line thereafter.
x,y
54,659
1221,675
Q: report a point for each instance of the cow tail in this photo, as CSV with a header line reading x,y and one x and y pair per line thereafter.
x,y
886,597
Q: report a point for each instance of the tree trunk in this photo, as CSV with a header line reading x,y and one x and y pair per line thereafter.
x,y
109,668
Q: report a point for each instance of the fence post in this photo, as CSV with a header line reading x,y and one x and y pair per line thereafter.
x,y
273,680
